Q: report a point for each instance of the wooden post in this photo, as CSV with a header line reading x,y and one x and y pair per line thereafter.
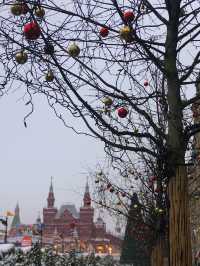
x,y
158,256
179,220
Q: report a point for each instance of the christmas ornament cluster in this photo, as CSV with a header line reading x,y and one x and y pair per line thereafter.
x,y
32,32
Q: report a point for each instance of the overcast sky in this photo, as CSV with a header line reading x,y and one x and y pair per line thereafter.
x,y
30,156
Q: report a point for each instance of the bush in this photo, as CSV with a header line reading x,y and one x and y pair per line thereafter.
x,y
35,257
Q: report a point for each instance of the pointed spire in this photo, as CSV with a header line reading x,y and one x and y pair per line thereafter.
x,y
87,187
16,219
87,198
51,185
51,199
17,207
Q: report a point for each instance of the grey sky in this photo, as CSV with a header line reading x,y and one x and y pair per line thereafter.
x,y
30,156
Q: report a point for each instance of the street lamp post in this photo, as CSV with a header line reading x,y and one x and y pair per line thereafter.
x,y
6,230
4,221
40,227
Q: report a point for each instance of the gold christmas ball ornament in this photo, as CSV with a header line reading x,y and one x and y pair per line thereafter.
x,y
49,76
126,34
16,9
21,57
73,50
107,101
160,210
39,12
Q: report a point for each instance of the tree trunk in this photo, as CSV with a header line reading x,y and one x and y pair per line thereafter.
x,y
159,254
179,220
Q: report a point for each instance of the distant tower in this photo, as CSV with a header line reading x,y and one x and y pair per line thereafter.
x,y
16,219
49,212
87,198
86,215
50,199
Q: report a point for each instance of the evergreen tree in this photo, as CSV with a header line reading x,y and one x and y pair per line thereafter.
x,y
49,258
34,256
133,248
19,257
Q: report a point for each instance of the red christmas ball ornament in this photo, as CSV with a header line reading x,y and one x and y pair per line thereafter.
x,y
32,31
104,32
146,83
128,16
122,112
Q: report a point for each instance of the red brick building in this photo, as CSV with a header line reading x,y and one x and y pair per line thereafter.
x,y
67,228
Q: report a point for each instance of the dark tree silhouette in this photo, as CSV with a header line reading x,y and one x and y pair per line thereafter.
x,y
134,250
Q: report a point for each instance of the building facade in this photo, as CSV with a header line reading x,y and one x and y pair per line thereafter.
x,y
68,229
